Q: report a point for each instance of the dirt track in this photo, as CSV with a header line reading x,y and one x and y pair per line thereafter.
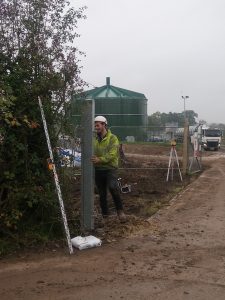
x,y
181,255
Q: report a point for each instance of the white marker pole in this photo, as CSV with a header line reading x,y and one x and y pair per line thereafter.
x,y
56,179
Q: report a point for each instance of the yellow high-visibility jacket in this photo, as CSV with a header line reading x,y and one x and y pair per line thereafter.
x,y
107,150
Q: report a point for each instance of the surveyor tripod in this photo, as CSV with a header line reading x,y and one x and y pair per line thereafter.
x,y
172,160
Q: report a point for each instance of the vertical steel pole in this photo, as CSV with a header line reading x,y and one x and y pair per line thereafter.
x,y
56,179
87,169
185,148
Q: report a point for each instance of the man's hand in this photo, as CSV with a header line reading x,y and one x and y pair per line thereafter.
x,y
95,160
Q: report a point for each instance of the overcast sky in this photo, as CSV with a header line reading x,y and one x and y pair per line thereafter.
x,y
162,48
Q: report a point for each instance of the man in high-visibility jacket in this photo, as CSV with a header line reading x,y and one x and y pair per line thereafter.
x,y
106,161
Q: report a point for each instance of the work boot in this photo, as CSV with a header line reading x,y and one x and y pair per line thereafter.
x,y
121,215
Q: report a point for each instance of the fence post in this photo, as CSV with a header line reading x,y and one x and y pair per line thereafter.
x,y
185,148
87,169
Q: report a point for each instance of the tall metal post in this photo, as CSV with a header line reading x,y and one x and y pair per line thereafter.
x,y
185,140
185,148
87,169
184,98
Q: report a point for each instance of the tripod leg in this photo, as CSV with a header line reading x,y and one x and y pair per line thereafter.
x,y
173,158
191,164
168,171
178,165
199,164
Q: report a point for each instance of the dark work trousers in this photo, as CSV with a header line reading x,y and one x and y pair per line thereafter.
x,y
104,180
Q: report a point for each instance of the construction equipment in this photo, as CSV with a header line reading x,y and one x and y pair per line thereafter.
x,y
172,160
51,166
126,188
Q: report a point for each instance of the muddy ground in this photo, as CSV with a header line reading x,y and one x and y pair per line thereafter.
x,y
144,171
177,253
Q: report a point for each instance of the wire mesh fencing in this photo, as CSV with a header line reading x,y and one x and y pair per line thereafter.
x,y
144,156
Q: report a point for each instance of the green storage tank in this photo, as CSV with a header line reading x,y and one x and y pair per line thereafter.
x,y
125,110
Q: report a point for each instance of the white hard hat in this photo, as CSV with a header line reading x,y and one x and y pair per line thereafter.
x,y
101,119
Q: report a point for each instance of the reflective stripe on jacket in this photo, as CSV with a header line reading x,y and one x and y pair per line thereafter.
x,y
107,150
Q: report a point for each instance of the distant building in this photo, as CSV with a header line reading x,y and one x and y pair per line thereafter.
x,y
125,110
170,129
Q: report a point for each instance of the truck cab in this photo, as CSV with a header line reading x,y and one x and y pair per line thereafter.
x,y
211,138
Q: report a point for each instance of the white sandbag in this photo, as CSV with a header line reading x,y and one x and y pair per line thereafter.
x,y
86,242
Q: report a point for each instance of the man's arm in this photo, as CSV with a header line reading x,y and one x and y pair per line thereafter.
x,y
112,153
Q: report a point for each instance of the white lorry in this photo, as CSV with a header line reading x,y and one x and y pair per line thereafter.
x,y
211,138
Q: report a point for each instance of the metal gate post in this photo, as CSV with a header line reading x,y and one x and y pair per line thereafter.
x,y
185,148
87,169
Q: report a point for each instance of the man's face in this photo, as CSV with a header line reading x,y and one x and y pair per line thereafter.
x,y
99,127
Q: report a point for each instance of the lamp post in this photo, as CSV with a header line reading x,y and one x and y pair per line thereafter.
x,y
184,98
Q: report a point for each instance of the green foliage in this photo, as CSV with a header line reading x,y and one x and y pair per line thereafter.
x,y
37,59
158,119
